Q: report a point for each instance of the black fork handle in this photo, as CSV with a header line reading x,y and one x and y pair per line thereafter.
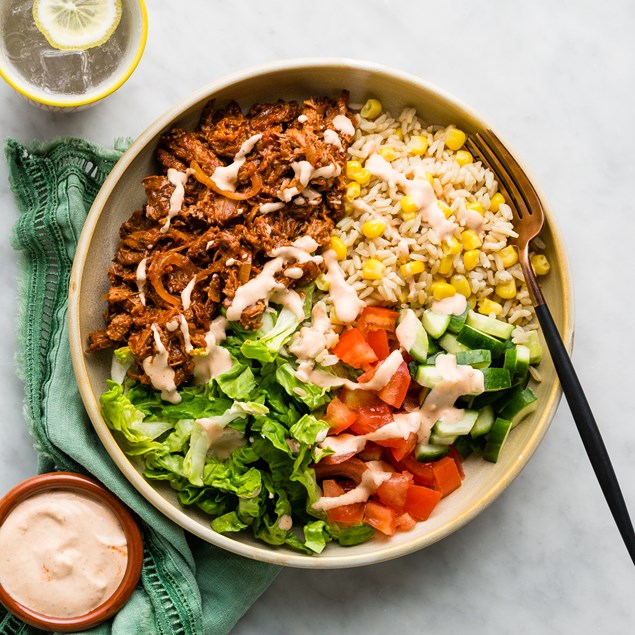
x,y
587,427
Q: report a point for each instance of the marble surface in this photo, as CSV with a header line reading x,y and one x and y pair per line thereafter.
x,y
556,78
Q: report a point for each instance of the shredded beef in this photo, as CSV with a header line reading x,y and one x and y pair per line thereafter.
x,y
222,240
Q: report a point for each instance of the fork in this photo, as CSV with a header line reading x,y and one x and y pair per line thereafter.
x,y
528,220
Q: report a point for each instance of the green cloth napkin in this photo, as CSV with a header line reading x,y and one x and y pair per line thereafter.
x,y
187,586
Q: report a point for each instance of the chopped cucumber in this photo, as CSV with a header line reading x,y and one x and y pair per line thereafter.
x,y
523,355
433,347
450,343
496,379
456,428
433,358
478,358
471,338
484,422
428,376
535,349
463,446
437,439
510,361
435,323
496,439
457,322
519,406
490,325
412,336
425,452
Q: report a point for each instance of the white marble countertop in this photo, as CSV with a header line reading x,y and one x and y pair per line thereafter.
x,y
556,78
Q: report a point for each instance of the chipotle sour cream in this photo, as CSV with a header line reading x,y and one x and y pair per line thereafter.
x,y
62,553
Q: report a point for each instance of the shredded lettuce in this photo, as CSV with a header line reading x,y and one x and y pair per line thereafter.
x,y
240,448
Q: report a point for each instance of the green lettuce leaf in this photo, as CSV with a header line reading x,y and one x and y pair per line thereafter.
x,y
309,429
311,395
228,522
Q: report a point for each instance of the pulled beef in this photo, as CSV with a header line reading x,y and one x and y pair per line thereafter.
x,y
221,239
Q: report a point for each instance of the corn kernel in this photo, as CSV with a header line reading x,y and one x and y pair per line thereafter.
x,y
446,265
540,264
338,246
408,215
461,284
362,177
442,290
418,145
373,269
487,306
412,268
471,258
399,134
508,255
408,204
333,317
496,201
476,207
455,138
322,283
463,157
353,190
373,228
471,302
470,240
445,208
371,109
428,177
452,248
352,168
506,290
388,153
348,208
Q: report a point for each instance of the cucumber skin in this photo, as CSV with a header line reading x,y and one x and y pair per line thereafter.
x,y
496,439
472,338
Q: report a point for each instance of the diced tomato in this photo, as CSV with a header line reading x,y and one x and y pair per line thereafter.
x,y
353,513
374,318
378,341
367,375
372,452
380,517
356,399
354,350
422,472
394,392
405,522
446,475
339,416
370,418
405,447
457,459
393,491
420,501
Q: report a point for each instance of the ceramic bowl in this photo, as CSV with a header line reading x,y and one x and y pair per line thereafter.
x,y
123,192
134,12
70,481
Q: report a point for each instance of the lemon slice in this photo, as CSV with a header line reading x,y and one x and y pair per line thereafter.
x,y
76,24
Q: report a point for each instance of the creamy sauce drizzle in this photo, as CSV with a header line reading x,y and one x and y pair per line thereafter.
x,y
141,280
267,208
372,478
226,176
407,328
439,404
186,294
307,373
304,173
178,179
473,220
158,369
332,138
295,273
343,124
345,300
454,305
421,192
264,285
218,360
62,553
312,340
290,299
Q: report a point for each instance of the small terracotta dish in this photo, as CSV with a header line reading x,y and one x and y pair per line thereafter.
x,y
69,481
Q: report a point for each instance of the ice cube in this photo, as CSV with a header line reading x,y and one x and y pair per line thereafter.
x,y
16,45
65,71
